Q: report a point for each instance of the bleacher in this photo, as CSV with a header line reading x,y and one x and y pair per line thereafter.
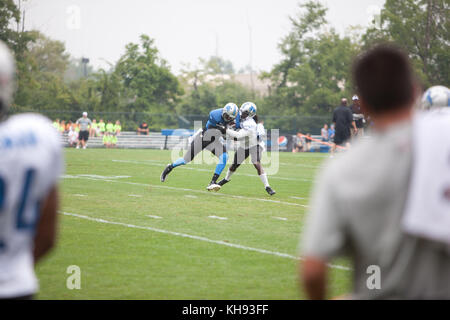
x,y
131,140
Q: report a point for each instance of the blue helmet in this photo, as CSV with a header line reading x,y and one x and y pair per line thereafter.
x,y
229,112
248,109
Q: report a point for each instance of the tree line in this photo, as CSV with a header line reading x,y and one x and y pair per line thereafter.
x,y
306,84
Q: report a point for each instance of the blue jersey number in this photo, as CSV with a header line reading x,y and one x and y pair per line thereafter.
x,y
21,223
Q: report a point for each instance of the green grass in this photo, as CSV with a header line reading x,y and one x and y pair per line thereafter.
x,y
119,262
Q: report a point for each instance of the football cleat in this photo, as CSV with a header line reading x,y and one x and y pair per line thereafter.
x,y
166,172
270,191
223,181
213,187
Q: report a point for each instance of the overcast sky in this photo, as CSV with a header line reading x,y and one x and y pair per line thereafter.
x,y
184,30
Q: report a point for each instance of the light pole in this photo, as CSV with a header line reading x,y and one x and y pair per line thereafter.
x,y
85,61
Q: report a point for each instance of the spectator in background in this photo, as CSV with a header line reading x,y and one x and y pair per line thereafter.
x,y
56,124
308,141
68,125
62,127
101,127
84,122
361,199
298,143
72,136
331,133
143,129
324,133
117,128
343,121
93,129
358,116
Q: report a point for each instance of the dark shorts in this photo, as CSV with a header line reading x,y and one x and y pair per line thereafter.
x,y
209,140
341,138
255,152
83,135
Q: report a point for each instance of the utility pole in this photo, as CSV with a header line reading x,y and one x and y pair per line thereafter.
x,y
85,61
250,54
217,45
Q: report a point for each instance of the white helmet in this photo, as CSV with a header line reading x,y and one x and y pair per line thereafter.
x,y
436,97
230,112
7,71
248,109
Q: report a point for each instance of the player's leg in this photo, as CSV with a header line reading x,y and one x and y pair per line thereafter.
x,y
256,153
219,150
194,148
239,156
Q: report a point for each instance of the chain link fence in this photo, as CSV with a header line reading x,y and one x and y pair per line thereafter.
x,y
156,122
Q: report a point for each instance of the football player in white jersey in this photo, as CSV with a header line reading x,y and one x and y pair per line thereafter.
x,y
251,144
30,165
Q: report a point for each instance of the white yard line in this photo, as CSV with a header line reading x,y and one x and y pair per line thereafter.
x,y
150,216
135,195
206,170
193,190
184,235
80,195
298,198
191,196
280,218
216,217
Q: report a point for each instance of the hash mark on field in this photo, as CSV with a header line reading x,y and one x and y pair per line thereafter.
x,y
299,198
191,196
154,217
184,235
216,217
135,195
80,195
280,218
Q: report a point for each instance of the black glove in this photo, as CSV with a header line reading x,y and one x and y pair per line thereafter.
x,y
221,128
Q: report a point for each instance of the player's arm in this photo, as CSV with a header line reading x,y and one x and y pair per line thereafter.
x,y
45,237
238,134
211,121
324,236
313,273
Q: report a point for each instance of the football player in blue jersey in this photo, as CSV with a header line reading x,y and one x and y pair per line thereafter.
x,y
209,138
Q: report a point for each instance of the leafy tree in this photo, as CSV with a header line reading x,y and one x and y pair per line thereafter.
x,y
313,73
147,80
421,27
217,65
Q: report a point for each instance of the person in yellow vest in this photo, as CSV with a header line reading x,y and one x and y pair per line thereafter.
x,y
109,132
117,128
101,127
56,124
93,129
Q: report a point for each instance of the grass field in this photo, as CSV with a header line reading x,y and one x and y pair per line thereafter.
x,y
134,237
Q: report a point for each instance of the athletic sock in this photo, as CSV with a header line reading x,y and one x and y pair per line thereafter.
x,y
229,174
264,180
179,162
214,178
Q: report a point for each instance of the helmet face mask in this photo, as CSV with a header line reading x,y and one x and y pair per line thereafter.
x,y
248,109
229,112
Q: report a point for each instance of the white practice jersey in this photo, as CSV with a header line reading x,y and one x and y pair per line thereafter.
x,y
247,135
31,162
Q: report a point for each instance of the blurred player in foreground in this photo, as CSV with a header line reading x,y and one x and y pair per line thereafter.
x,y
30,165
405,168
209,138
250,144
